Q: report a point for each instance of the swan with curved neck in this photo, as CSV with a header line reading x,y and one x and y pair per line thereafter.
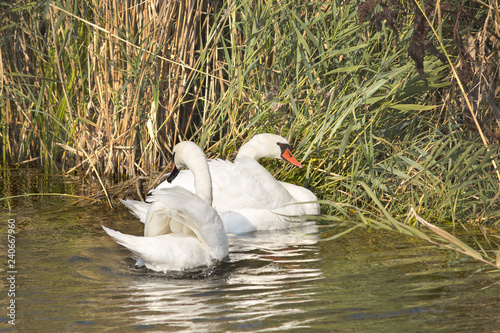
x,y
182,230
268,145
245,194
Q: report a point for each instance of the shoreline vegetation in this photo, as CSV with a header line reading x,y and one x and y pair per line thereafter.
x,y
392,106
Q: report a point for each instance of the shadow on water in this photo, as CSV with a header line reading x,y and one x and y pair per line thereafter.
x,y
72,277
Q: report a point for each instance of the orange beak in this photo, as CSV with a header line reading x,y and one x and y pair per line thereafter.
x,y
287,155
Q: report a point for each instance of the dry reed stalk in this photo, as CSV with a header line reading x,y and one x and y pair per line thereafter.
x,y
117,84
155,123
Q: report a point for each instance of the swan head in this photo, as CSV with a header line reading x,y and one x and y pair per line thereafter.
x,y
268,145
186,154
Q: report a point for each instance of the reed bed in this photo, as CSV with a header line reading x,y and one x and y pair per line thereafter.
x,y
391,105
105,86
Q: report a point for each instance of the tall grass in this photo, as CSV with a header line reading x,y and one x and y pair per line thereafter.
x,y
107,87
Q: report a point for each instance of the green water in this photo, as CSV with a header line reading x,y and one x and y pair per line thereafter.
x,y
70,276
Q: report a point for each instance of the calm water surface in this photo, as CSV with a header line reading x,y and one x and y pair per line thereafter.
x,y
72,277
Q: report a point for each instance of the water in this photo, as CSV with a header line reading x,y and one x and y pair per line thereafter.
x,y
72,277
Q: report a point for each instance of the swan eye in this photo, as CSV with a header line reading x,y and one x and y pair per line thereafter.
x,y
286,154
283,146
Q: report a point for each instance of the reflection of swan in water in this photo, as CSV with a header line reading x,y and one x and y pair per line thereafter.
x,y
275,240
156,301
266,271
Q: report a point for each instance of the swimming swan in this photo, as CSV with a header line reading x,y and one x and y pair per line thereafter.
x,y
246,195
181,230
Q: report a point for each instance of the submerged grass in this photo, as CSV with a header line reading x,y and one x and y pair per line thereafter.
x,y
107,88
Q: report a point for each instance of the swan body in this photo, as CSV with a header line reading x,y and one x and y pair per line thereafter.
x,y
246,196
181,230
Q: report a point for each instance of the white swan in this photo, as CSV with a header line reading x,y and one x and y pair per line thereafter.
x,y
246,195
182,230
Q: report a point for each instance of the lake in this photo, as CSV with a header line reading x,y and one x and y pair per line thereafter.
x,y
70,276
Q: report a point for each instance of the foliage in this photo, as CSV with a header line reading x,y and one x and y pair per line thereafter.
x,y
109,87
103,86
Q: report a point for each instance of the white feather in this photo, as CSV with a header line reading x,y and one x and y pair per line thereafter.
x,y
181,230
245,194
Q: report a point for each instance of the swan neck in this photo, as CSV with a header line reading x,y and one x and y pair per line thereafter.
x,y
202,181
262,145
249,150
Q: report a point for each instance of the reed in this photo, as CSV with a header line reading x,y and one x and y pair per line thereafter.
x,y
105,86
384,129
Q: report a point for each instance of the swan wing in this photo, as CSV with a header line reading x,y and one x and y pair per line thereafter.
x,y
186,213
184,179
305,197
164,252
138,208
245,183
252,219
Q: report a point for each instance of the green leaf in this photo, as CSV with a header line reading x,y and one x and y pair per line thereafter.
x,y
412,107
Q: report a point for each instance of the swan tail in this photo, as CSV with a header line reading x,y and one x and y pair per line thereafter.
x,y
163,253
129,241
138,208
140,246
